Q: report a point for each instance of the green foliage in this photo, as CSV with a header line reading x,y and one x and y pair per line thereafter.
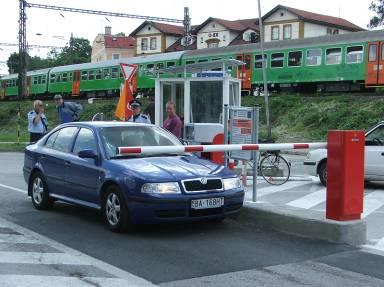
x,y
377,20
78,51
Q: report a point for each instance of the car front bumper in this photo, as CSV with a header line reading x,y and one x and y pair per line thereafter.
x,y
178,209
311,167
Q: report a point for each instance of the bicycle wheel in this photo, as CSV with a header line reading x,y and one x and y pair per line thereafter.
x,y
275,169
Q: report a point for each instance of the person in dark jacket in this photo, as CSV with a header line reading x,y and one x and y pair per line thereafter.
x,y
68,111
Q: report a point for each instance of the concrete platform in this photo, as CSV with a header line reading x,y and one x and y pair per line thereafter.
x,y
306,223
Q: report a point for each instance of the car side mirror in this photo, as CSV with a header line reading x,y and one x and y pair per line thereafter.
x,y
183,142
88,153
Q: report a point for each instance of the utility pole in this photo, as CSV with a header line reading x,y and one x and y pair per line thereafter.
x,y
22,60
266,94
187,39
71,50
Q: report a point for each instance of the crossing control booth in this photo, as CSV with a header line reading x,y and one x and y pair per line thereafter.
x,y
200,92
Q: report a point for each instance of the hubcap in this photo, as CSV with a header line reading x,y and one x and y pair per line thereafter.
x,y
37,190
112,209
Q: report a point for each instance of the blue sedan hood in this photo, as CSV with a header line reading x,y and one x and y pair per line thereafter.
x,y
172,168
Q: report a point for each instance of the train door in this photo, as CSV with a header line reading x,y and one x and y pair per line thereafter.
x,y
3,89
76,83
28,87
375,64
244,73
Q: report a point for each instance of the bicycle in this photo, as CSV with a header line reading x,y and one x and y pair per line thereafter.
x,y
273,167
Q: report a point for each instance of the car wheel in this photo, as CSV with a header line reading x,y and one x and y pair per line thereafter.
x,y
115,210
39,192
323,173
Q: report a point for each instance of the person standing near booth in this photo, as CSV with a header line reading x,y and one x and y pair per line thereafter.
x,y
137,116
172,123
37,122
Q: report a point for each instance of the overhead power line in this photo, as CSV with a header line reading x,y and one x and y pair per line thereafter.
x,y
96,12
31,46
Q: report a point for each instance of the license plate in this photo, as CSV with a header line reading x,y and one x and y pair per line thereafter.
x,y
207,203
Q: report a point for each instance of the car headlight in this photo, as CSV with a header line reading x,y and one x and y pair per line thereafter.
x,y
162,187
231,183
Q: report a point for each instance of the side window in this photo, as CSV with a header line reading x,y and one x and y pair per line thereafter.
x,y
314,57
333,56
51,140
91,75
115,73
277,60
84,75
259,61
52,78
376,137
190,62
106,74
159,66
65,77
295,58
354,55
64,139
98,75
84,140
170,64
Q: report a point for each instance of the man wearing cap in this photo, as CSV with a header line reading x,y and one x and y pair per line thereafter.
x,y
68,111
137,116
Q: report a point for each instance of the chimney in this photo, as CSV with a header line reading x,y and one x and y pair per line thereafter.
x,y
108,30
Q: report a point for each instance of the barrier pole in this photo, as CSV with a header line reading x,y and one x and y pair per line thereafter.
x,y
255,139
225,122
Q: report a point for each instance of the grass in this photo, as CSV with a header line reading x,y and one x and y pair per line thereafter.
x,y
293,118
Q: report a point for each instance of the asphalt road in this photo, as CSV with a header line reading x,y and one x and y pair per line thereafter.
x,y
205,254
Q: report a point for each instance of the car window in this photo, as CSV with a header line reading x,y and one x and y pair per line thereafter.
x,y
84,140
376,137
136,136
64,139
51,140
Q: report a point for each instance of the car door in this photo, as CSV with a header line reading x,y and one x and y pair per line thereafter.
x,y
53,159
83,174
374,153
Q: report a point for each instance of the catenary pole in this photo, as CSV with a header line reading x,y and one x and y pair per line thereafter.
x,y
266,94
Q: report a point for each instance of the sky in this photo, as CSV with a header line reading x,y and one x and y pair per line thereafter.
x,y
54,28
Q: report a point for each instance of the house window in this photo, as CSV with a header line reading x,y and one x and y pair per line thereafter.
x,y
333,56
287,32
275,33
259,61
115,56
335,32
153,43
224,37
213,45
313,57
277,60
329,31
201,40
215,34
144,44
354,55
295,58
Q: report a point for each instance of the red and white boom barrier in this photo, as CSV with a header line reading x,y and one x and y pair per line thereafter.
x,y
220,148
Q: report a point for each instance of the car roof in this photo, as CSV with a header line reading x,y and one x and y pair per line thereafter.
x,y
104,124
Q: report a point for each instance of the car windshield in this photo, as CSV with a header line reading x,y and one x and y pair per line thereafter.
x,y
124,136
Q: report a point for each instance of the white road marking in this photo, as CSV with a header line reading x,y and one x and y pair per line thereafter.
x,y
372,202
309,200
14,188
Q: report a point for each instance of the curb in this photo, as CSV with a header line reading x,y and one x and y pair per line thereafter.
x,y
305,223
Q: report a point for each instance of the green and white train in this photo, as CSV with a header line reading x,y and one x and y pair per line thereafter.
x,y
346,62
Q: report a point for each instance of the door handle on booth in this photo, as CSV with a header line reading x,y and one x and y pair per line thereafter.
x,y
382,153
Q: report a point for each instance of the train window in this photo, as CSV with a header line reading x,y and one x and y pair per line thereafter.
x,y
277,60
354,55
91,75
247,60
35,80
313,57
84,75
372,57
333,56
52,78
159,66
43,79
65,77
295,58
203,60
115,73
39,80
190,62
170,64
106,74
216,59
98,75
58,78
70,77
382,51
259,61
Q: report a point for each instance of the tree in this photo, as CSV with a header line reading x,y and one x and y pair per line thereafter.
x,y
377,6
79,51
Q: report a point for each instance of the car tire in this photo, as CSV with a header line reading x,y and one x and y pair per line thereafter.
x,y
323,173
115,210
39,192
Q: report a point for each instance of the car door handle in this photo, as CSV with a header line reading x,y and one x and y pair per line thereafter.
x,y
382,153
67,163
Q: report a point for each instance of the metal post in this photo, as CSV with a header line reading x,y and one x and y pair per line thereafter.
x,y
22,60
266,94
225,122
255,139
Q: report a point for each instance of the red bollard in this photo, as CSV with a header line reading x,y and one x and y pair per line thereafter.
x,y
345,175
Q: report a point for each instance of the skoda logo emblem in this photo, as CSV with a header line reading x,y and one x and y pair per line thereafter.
x,y
203,180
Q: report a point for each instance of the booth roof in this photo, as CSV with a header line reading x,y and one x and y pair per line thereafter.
x,y
199,67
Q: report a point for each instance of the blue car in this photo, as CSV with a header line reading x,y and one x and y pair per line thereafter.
x,y
79,163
